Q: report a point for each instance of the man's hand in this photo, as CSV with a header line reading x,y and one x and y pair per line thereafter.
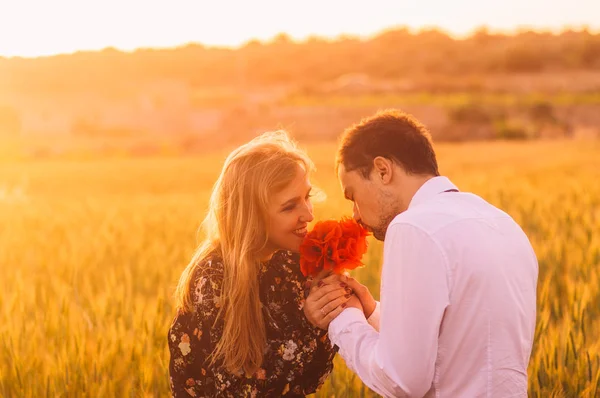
x,y
367,301
354,302
327,299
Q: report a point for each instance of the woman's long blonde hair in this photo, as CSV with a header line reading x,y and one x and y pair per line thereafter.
x,y
235,228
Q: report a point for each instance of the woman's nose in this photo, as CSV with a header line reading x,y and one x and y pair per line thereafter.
x,y
307,215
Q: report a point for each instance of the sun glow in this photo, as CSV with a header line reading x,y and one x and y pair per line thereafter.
x,y
36,28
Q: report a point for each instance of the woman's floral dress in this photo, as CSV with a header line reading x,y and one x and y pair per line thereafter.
x,y
298,356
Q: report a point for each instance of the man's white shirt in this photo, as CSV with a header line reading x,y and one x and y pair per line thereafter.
x,y
458,303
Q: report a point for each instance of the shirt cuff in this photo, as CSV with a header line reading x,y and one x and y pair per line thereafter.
x,y
341,324
374,318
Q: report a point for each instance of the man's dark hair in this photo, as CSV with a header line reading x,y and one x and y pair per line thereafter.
x,y
392,134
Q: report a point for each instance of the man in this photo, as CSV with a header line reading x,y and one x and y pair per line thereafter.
x,y
458,284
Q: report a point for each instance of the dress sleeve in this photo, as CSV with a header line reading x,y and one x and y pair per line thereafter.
x,y
320,368
317,361
192,338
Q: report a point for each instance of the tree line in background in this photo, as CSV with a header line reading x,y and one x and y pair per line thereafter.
x,y
390,55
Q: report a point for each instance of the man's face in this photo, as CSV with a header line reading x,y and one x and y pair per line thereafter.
x,y
373,206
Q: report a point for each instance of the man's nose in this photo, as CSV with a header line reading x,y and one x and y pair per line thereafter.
x,y
355,213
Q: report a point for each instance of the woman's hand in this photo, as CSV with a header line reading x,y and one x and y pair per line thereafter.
x,y
327,299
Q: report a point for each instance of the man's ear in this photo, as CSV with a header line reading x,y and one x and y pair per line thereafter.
x,y
383,169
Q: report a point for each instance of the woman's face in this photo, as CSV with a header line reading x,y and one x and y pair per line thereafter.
x,y
289,213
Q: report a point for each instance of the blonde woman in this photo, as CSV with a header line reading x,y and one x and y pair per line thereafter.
x,y
240,328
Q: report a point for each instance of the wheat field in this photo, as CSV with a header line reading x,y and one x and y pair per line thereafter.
x,y
91,249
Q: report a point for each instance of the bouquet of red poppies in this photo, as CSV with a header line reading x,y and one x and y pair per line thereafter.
x,y
333,245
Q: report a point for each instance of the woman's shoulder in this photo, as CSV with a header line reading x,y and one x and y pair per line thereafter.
x,y
208,278
210,266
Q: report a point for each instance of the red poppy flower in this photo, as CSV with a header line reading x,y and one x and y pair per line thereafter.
x,y
333,245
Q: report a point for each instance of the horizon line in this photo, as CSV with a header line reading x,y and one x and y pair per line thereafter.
x,y
332,38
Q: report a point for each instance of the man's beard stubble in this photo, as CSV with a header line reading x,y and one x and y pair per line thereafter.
x,y
390,209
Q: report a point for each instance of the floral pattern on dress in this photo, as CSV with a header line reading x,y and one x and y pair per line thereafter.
x,y
298,356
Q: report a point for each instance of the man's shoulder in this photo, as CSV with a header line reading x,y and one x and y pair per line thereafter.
x,y
445,211
426,219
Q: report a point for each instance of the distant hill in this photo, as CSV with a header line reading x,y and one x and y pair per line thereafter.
x,y
391,55
192,98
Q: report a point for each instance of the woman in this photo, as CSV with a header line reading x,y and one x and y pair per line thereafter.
x,y
240,329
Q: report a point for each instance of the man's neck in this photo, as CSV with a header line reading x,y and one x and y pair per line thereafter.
x,y
411,186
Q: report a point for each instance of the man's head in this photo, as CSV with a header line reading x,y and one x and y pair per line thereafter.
x,y
381,163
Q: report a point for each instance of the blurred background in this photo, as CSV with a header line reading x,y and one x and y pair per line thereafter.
x,y
116,117
142,78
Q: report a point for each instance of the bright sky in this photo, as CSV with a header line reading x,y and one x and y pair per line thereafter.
x,y
43,27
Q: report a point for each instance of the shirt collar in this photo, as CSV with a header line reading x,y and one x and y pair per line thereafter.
x,y
431,188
